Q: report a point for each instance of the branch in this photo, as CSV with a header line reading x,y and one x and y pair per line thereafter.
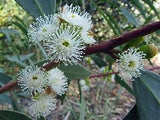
x,y
11,85
111,73
8,86
102,74
107,46
154,68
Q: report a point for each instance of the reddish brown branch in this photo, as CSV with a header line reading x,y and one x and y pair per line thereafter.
x,y
50,65
106,46
110,73
8,86
102,74
129,36
154,68
11,85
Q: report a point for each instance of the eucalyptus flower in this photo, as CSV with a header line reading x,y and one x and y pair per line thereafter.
x,y
75,16
42,105
58,81
33,79
130,63
65,45
43,28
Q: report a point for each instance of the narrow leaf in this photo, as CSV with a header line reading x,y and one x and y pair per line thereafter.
x,y
4,79
13,115
129,16
124,84
37,7
74,71
147,93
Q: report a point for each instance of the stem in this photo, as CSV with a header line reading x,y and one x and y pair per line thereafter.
x,y
102,74
80,90
49,65
8,86
11,85
154,68
107,46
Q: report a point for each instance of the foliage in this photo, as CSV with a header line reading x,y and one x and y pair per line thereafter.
x,y
112,18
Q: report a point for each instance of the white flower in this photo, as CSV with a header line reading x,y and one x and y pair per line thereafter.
x,y
87,37
43,28
58,81
76,16
42,105
130,63
33,79
66,45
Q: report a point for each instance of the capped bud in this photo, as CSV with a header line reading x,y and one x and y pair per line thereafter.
x,y
150,50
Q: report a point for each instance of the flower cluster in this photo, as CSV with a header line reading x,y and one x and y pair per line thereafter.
x,y
63,35
130,64
42,85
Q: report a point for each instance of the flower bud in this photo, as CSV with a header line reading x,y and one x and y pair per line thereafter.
x,y
150,50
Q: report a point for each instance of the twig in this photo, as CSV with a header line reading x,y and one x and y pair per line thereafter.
x,y
110,73
154,68
107,46
11,85
102,74
49,65
8,86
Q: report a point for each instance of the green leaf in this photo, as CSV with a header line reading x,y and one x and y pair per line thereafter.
x,y
106,17
147,93
132,114
41,118
8,32
37,7
82,109
124,84
13,115
16,106
134,43
20,59
5,99
74,71
99,61
4,79
151,5
1,70
23,29
138,4
129,16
